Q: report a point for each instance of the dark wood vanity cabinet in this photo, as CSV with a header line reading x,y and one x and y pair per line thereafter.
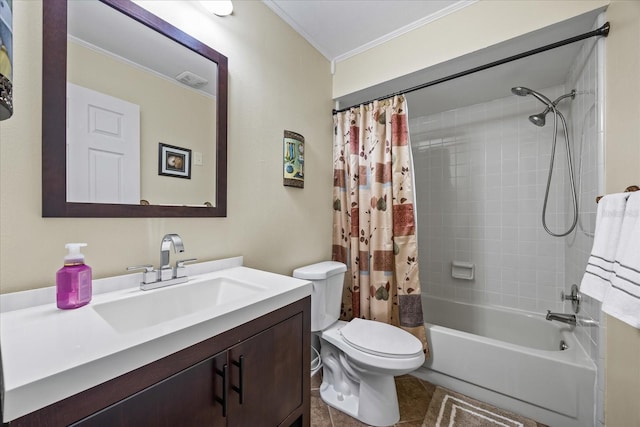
x,y
260,377
269,390
186,398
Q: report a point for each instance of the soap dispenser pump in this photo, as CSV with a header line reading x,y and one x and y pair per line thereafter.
x,y
73,280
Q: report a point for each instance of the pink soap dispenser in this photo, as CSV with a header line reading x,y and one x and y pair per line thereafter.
x,y
73,281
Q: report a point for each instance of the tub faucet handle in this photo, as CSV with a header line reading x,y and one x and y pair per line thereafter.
x,y
575,297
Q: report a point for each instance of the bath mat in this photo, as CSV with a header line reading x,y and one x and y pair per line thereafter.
x,y
450,409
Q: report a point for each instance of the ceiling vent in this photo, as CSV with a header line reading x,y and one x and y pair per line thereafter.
x,y
191,79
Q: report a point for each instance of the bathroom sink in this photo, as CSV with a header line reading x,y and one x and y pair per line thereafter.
x,y
149,308
124,328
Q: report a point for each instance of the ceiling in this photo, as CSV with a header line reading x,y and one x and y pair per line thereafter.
x,y
91,24
342,28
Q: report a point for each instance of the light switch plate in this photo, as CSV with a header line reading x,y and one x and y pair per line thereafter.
x,y
197,158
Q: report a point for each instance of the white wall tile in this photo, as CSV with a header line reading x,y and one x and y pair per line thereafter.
x,y
481,173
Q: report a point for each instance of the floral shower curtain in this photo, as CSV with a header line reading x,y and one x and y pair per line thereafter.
x,y
374,230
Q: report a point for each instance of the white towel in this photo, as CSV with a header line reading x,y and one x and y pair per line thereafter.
x,y
623,298
597,277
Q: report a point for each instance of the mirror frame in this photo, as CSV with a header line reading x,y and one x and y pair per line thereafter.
x,y
54,110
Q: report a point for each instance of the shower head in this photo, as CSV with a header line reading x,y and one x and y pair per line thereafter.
x,y
520,91
539,119
524,91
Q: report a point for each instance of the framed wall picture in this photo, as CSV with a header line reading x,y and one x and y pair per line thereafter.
x,y
174,161
293,159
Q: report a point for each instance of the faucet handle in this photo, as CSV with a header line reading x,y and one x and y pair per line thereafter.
x,y
182,262
181,270
148,276
147,268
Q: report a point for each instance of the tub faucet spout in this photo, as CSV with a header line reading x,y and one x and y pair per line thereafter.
x,y
562,317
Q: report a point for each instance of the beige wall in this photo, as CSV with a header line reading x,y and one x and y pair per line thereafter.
x,y
277,81
170,113
475,27
622,154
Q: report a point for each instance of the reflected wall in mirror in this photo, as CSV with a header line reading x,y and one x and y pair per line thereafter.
x,y
122,101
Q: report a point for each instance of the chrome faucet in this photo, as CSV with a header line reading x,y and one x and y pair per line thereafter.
x,y
166,272
572,319
165,275
562,317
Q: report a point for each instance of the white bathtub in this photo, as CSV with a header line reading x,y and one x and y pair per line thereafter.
x,y
510,359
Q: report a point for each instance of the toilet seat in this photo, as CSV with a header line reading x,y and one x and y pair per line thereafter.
x,y
382,365
380,339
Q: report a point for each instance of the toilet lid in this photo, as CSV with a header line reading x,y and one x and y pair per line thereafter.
x,y
380,339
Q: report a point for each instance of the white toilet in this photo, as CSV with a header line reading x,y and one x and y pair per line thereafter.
x,y
361,357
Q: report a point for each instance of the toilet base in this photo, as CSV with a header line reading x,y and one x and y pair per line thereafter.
x,y
368,397
360,384
376,404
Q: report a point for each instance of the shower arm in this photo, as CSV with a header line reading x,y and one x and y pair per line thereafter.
x,y
540,97
571,95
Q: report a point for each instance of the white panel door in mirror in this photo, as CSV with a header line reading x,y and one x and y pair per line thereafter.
x,y
103,148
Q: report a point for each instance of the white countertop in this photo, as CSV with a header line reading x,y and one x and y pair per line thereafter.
x,y
50,354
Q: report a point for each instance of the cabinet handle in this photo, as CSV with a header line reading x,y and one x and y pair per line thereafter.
x,y
225,387
240,388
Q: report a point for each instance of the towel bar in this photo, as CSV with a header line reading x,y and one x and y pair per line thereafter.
x,y
629,189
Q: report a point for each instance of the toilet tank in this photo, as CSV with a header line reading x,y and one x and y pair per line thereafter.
x,y
326,295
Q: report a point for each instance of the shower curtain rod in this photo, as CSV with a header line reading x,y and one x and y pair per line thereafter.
x,y
602,31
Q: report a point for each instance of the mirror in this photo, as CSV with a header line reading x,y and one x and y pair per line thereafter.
x,y
180,162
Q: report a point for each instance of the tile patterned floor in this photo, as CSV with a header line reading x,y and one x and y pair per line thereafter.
x,y
414,396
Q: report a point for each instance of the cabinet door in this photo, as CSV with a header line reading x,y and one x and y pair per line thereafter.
x,y
270,387
187,398
186,388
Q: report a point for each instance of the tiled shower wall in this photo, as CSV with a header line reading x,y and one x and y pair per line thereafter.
x,y
481,174
587,133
